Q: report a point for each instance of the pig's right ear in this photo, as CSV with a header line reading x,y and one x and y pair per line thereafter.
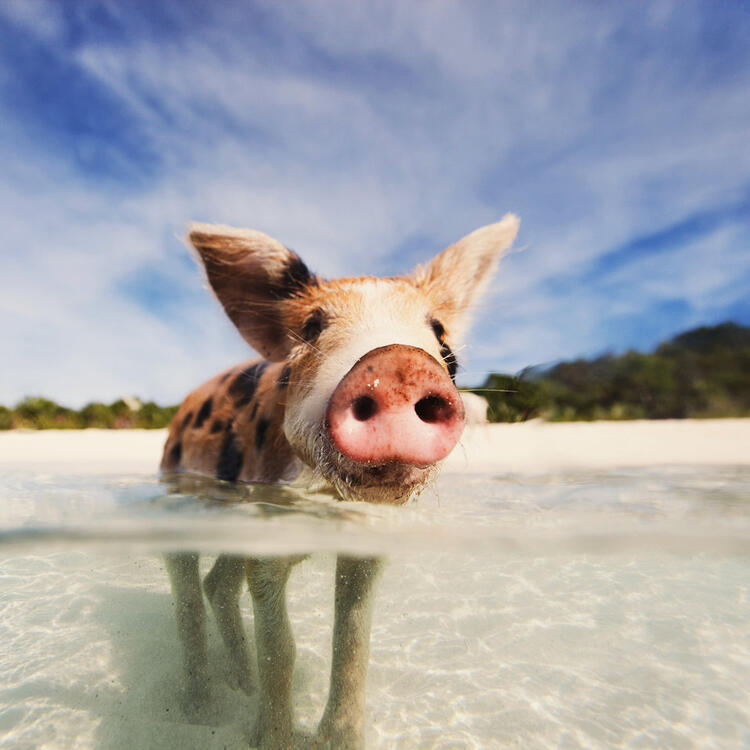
x,y
455,280
251,275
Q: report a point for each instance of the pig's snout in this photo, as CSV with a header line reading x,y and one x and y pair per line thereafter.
x,y
397,404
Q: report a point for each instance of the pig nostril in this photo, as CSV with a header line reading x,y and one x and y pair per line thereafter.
x,y
364,407
433,409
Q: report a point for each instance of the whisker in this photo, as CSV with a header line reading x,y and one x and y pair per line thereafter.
x,y
299,339
488,390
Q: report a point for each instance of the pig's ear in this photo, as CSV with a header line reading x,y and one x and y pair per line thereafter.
x,y
456,279
252,274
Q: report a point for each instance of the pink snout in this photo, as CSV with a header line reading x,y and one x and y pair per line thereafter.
x,y
397,404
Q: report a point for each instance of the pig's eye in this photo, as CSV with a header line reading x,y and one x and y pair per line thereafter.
x,y
315,323
445,351
437,329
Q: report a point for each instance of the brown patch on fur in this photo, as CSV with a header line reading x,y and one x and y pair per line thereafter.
x,y
203,449
251,273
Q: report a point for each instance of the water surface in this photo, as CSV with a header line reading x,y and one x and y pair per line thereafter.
x,y
574,610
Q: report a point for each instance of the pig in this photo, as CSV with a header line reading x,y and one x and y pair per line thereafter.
x,y
354,391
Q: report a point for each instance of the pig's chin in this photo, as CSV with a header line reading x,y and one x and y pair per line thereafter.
x,y
389,483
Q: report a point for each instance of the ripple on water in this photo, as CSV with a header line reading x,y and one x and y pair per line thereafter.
x,y
566,611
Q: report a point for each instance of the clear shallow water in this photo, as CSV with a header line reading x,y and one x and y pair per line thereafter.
x,y
586,610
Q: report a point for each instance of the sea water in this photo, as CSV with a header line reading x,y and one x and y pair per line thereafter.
x,y
568,610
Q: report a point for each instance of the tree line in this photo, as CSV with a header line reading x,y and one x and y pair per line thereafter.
x,y
42,414
701,373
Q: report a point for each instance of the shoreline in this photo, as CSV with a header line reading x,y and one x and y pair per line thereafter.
x,y
525,447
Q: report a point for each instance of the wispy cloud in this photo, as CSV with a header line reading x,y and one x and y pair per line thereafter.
x,y
366,136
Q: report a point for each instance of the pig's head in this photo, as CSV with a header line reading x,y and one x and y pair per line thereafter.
x,y
370,401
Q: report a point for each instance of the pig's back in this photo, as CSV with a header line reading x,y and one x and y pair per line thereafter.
x,y
231,427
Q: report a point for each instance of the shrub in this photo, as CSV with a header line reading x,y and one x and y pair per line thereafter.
x,y
6,418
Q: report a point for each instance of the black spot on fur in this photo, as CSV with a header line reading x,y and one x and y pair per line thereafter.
x,y
175,455
203,413
445,351
313,326
217,426
243,387
295,277
284,377
438,329
450,360
230,457
253,412
186,420
260,432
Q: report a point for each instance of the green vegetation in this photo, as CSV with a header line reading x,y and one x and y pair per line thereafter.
x,y
701,373
42,414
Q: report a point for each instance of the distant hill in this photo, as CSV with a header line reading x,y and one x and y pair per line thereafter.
x,y
704,372
701,373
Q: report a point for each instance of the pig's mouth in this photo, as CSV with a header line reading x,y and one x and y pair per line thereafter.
x,y
387,483
391,483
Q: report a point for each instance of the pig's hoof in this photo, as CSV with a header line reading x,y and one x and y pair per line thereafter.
x,y
195,700
338,738
273,736
240,678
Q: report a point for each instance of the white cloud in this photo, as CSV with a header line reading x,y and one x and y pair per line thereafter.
x,y
38,17
417,119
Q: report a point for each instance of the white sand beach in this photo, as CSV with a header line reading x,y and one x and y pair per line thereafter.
x,y
528,447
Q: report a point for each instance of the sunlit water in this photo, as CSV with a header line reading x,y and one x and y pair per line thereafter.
x,y
598,610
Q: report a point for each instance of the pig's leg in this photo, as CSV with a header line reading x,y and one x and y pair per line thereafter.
x,y
267,578
343,723
223,586
191,624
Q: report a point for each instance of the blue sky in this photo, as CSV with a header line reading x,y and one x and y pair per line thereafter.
x,y
367,136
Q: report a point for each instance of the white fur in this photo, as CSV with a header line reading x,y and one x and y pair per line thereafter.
x,y
380,324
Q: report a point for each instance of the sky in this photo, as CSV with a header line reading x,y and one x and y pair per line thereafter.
x,y
367,136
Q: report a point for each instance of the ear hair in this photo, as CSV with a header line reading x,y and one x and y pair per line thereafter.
x,y
251,274
457,277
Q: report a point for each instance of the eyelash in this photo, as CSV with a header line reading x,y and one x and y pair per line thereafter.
x,y
313,326
445,351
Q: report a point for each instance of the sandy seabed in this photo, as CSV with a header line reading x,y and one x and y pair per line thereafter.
x,y
534,446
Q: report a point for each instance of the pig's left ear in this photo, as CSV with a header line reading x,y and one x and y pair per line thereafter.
x,y
456,279
252,275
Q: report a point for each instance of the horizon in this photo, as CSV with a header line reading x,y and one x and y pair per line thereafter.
x,y
538,369
368,138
